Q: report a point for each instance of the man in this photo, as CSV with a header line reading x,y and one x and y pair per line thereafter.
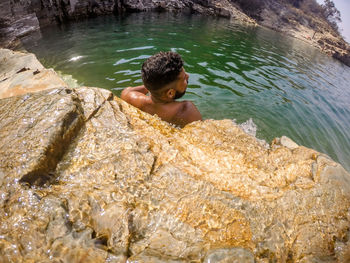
x,y
165,78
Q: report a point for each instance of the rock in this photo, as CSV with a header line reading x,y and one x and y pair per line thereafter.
x,y
21,73
233,255
37,141
17,19
85,177
289,143
307,24
343,57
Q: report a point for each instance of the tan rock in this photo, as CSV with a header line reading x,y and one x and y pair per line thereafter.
x,y
34,132
21,73
289,143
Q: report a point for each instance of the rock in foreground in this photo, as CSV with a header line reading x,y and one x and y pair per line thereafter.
x,y
85,177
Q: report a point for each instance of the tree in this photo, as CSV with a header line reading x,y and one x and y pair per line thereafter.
x,y
331,13
312,6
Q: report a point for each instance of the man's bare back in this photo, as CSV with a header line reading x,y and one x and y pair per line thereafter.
x,y
163,93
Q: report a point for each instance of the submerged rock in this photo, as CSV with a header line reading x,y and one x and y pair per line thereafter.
x,y
85,177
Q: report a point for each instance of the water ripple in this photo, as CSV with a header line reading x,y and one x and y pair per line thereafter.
x,y
126,61
135,48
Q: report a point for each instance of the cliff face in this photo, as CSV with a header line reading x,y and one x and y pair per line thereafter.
x,y
85,177
18,18
306,25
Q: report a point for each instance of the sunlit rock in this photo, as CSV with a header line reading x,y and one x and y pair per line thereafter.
x,y
22,72
34,132
85,177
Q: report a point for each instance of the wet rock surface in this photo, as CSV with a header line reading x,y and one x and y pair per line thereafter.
x,y
35,131
85,177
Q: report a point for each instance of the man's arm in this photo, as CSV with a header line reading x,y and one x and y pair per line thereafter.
x,y
134,95
142,89
187,114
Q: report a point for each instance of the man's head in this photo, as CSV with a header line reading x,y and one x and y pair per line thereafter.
x,y
163,73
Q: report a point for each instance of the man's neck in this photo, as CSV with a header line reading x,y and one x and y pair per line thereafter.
x,y
157,100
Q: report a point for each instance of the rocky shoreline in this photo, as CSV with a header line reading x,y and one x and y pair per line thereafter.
x,y
85,177
20,18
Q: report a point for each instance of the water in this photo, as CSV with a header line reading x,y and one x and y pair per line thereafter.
x,y
236,71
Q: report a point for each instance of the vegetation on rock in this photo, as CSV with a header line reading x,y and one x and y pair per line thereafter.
x,y
331,13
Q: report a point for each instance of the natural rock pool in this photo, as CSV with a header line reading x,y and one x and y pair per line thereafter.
x,y
236,72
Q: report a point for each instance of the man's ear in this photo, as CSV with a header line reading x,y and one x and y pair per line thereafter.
x,y
170,93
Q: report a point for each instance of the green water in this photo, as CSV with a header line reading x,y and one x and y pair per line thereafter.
x,y
237,72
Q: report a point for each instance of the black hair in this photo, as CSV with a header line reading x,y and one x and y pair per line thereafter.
x,y
161,69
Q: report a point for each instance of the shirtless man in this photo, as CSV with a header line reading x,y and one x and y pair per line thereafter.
x,y
165,79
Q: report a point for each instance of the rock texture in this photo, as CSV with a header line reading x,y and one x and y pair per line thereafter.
x,y
17,18
22,72
85,177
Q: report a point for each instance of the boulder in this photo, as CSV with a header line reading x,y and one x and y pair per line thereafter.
x,y
86,177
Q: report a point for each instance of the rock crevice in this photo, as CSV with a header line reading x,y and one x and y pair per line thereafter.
x,y
54,125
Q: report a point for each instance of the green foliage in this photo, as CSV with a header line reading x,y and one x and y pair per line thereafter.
x,y
308,6
331,13
312,6
330,10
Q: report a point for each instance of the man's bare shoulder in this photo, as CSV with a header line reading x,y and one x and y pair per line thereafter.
x,y
135,98
187,112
